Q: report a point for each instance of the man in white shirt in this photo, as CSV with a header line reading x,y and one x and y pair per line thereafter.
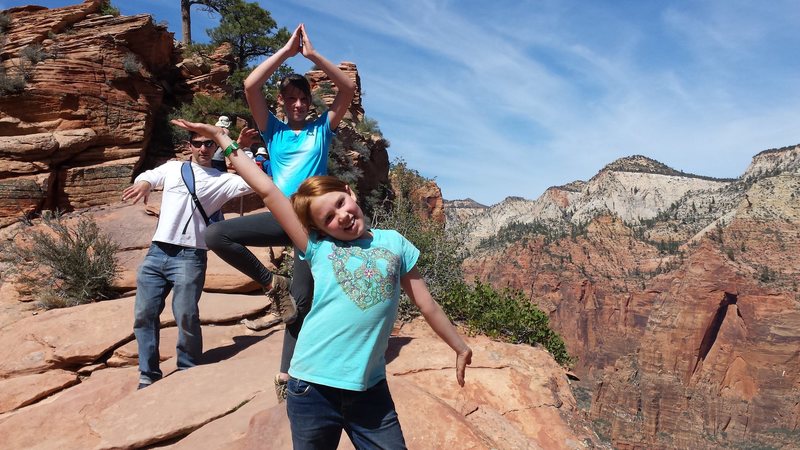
x,y
177,257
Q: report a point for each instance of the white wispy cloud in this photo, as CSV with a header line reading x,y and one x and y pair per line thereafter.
x,y
509,97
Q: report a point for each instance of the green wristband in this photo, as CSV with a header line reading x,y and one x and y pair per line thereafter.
x,y
232,147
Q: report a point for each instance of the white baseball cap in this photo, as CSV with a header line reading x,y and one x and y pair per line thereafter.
x,y
261,151
223,122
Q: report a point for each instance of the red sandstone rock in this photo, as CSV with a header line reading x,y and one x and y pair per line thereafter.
x,y
21,391
229,402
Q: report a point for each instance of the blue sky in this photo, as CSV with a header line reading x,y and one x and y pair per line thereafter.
x,y
509,97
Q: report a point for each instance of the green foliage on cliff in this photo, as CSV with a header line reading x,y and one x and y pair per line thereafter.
x,y
106,8
11,83
5,22
441,251
519,232
506,314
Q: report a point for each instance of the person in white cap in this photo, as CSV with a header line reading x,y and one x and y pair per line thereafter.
x,y
298,149
218,160
262,159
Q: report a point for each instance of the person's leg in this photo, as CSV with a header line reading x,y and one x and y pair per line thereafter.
x,y
302,289
314,415
187,271
370,419
151,290
229,238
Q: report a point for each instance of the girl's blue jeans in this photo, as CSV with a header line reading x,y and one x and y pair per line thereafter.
x,y
318,414
166,268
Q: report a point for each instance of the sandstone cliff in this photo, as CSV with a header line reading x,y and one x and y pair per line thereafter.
x,y
92,111
679,297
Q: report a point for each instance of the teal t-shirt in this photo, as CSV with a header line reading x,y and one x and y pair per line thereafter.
x,y
356,292
295,156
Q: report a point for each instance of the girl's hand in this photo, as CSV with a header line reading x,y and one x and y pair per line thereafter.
x,y
203,129
463,359
307,49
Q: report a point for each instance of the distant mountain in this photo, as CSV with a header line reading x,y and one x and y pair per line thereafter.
x,y
634,188
677,293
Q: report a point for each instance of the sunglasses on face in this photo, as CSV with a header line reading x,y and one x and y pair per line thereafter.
x,y
206,144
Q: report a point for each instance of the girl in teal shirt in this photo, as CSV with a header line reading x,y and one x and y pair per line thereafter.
x,y
338,379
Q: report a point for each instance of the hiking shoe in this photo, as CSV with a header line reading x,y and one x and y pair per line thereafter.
x,y
264,322
281,388
282,301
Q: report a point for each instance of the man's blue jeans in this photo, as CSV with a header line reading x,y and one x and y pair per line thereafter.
x,y
318,414
167,267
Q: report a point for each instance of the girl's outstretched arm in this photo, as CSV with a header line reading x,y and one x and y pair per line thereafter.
x,y
278,204
415,287
345,86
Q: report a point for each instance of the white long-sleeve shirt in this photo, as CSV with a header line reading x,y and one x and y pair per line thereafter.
x,y
212,187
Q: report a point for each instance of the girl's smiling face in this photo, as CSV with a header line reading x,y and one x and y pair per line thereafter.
x,y
337,215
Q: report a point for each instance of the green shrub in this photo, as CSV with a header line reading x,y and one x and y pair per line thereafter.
x,y
505,315
106,9
131,64
340,164
11,84
34,53
5,22
519,231
66,266
368,127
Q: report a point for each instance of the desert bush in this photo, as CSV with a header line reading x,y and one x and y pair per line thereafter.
x,y
5,22
368,127
65,265
505,315
34,53
107,9
11,83
340,163
131,64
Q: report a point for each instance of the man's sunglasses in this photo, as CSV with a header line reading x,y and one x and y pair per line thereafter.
x,y
207,144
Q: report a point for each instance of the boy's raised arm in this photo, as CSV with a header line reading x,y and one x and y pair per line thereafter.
x,y
255,81
345,86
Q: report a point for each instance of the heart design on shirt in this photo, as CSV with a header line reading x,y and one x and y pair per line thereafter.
x,y
372,281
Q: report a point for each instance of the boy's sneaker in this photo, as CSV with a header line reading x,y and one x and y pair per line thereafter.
x,y
282,301
281,389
